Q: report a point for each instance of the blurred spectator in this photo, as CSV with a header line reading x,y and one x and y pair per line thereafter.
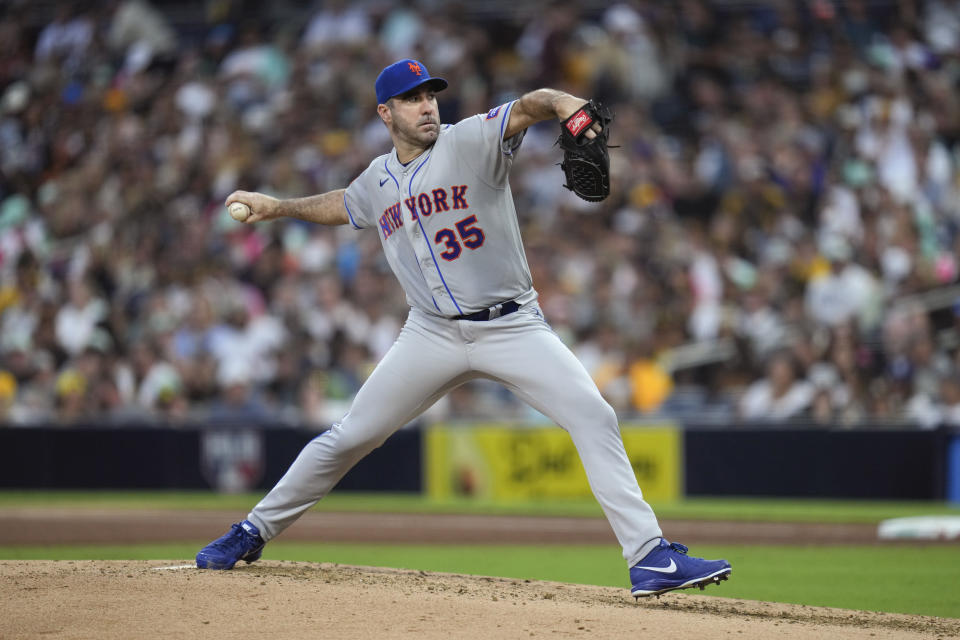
x,y
150,377
238,401
600,351
846,292
72,389
780,395
320,406
337,23
650,382
77,320
545,40
787,181
950,402
628,63
821,409
66,38
8,393
141,32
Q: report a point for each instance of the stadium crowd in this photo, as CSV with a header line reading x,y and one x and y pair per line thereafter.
x,y
782,241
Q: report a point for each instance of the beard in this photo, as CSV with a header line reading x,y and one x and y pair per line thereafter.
x,y
417,134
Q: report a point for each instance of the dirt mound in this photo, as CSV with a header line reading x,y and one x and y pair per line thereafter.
x,y
84,599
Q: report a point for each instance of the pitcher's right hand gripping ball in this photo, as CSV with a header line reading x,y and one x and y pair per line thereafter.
x,y
586,161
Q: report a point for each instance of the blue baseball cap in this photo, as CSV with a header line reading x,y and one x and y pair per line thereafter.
x,y
402,76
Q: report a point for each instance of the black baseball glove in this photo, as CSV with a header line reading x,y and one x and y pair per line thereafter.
x,y
586,161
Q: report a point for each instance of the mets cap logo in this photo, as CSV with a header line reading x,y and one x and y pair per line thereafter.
x,y
415,68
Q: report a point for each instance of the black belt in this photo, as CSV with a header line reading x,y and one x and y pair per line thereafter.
x,y
497,310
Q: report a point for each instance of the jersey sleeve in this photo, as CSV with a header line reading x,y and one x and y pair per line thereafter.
x,y
480,143
357,201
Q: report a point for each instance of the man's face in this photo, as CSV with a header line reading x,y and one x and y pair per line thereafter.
x,y
413,117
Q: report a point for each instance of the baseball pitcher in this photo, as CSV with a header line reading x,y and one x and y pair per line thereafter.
x,y
441,203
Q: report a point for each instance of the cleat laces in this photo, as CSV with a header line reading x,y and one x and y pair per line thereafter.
x,y
237,535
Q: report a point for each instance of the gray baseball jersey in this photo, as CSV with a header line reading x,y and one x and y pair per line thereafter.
x,y
447,219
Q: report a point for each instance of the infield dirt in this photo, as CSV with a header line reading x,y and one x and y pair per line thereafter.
x,y
108,600
155,599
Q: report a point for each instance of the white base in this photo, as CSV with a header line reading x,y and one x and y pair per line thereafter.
x,y
920,528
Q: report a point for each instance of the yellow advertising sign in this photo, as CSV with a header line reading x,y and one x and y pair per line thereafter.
x,y
497,461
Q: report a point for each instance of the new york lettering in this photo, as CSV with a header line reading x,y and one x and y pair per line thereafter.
x,y
423,204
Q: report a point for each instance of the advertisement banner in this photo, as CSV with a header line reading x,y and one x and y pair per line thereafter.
x,y
503,462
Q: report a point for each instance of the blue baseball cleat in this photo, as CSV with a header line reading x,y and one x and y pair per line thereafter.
x,y
668,567
242,542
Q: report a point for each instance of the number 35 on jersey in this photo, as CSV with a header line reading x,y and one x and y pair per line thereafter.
x,y
462,233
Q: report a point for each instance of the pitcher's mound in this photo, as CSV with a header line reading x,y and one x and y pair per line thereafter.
x,y
87,599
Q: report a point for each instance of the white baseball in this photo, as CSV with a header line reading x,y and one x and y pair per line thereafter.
x,y
239,211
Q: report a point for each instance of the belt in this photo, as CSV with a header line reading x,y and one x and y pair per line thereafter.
x,y
497,310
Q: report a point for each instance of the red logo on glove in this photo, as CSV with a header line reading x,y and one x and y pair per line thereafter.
x,y
578,122
415,68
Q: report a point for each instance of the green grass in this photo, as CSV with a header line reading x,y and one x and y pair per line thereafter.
x,y
901,579
764,509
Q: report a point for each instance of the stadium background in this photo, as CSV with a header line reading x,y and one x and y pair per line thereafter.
x,y
781,243
772,288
